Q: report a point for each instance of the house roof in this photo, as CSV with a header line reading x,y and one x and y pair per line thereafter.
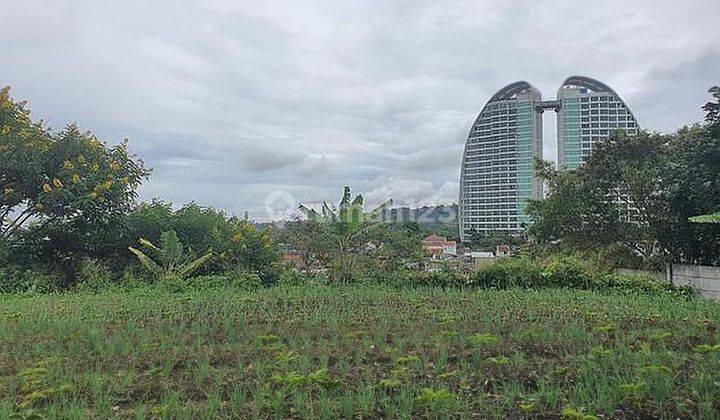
x,y
480,254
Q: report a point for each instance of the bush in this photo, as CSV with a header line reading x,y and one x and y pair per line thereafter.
x,y
445,277
206,282
292,277
28,282
243,280
247,281
565,272
175,283
569,272
642,284
509,272
405,277
93,276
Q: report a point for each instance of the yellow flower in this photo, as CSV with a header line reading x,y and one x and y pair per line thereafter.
x,y
68,165
114,166
57,183
95,167
8,191
75,178
47,188
107,184
81,159
94,195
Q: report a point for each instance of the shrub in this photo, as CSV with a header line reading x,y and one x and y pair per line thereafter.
x,y
641,284
170,261
93,275
247,281
208,282
292,277
406,277
28,282
443,278
566,272
509,272
174,283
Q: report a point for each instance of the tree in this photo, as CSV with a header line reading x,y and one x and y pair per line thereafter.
x,y
59,177
348,228
397,246
712,109
488,241
638,192
575,215
309,240
171,260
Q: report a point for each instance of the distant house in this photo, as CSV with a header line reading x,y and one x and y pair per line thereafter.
x,y
479,259
294,259
502,251
439,246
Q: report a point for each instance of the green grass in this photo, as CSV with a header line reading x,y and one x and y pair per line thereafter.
x,y
330,352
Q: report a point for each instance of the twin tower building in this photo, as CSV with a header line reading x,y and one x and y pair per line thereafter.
x,y
497,177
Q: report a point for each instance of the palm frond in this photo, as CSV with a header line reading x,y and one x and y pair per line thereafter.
x,y
346,197
329,212
706,218
172,248
146,261
192,266
149,244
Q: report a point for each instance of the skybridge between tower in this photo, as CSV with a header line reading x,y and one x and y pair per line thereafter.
x,y
555,105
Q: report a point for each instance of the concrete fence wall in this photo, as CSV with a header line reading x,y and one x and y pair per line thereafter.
x,y
705,279
657,275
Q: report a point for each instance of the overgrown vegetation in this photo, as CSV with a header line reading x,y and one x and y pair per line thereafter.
x,y
357,351
635,195
557,272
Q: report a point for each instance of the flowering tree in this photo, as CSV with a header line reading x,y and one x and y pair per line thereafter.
x,y
50,176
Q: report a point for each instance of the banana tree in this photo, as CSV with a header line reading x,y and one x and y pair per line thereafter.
x,y
348,224
170,260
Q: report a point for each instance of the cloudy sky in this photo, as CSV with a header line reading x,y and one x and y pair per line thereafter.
x,y
232,102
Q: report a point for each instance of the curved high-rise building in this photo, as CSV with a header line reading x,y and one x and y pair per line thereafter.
x,y
497,177
589,111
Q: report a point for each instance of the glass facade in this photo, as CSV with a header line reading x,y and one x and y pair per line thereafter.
x,y
570,119
525,153
497,175
590,111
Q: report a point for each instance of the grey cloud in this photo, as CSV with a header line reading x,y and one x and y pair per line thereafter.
x,y
230,101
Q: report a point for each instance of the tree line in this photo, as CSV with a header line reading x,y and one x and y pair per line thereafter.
x,y
69,215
